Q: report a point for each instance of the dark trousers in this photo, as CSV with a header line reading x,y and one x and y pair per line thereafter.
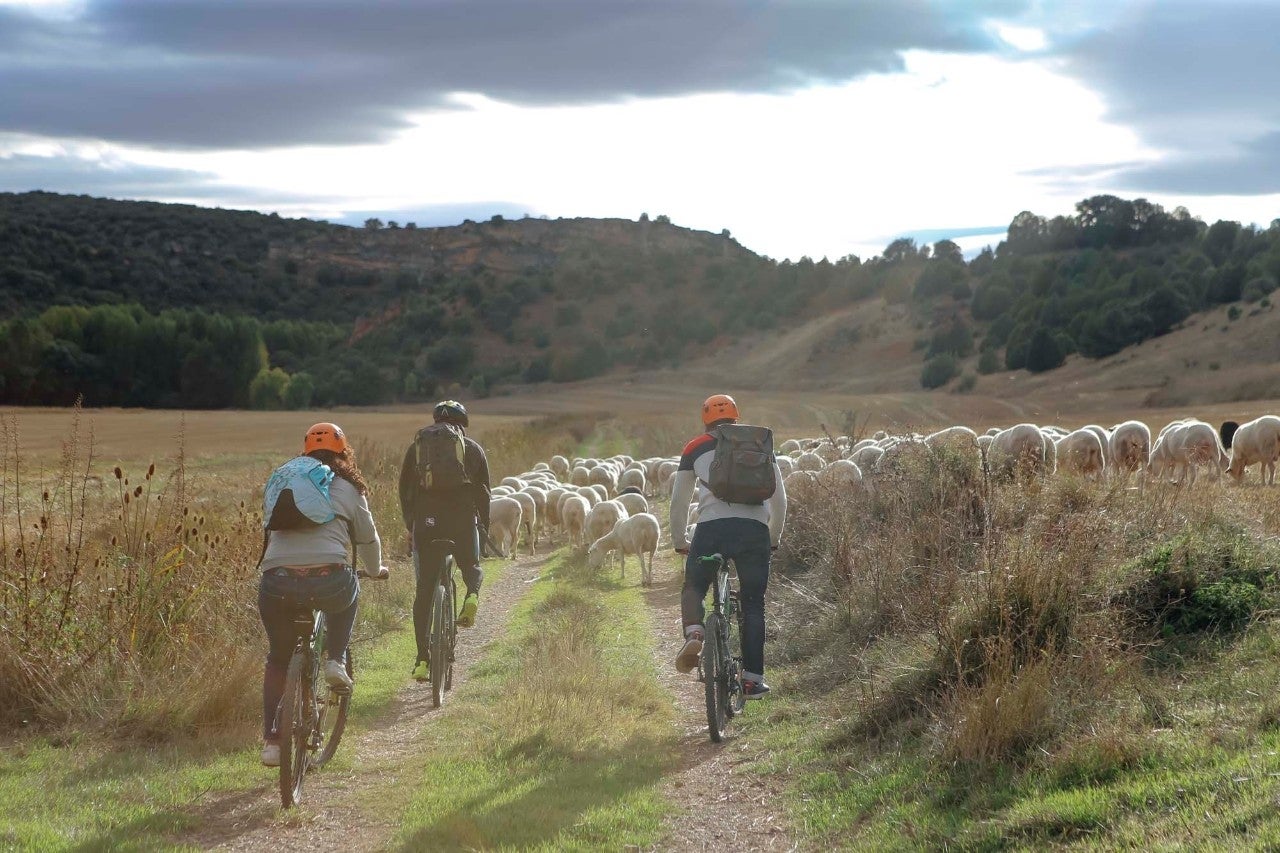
x,y
429,558
746,542
280,599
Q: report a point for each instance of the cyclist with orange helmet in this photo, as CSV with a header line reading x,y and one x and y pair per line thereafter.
x,y
307,560
744,532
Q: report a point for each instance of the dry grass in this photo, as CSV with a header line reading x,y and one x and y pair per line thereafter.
x,y
128,598
1004,618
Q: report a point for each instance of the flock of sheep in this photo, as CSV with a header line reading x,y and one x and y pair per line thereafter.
x,y
598,504
602,505
1179,450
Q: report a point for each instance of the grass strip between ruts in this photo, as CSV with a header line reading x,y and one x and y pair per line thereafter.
x,y
560,737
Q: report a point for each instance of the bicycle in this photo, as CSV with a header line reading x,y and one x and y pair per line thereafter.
x,y
312,714
720,668
444,628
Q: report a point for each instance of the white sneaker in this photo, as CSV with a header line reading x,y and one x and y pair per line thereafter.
x,y
271,755
335,673
690,653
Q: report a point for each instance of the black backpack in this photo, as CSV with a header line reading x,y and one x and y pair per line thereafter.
x,y
441,453
742,468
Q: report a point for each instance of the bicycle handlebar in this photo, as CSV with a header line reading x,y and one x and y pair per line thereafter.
x,y
714,558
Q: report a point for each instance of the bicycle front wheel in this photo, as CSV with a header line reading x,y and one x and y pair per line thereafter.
x,y
452,633
331,715
714,678
440,617
294,732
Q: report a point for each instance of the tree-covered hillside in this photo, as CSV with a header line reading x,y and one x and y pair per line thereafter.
x,y
134,303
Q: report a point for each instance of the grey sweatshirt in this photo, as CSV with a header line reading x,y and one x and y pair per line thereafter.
x,y
693,473
331,542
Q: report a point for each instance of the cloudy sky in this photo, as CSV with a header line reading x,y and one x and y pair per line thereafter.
x,y
806,127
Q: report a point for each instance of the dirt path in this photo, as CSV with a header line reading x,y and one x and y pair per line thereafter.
x,y
334,815
748,813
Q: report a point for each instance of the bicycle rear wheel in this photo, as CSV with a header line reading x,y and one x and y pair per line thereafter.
x,y
440,617
736,700
452,634
294,732
331,714
713,677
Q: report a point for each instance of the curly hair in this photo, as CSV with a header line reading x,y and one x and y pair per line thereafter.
x,y
344,465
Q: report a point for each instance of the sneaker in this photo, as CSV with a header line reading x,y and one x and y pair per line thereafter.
x,y
690,653
271,755
422,671
469,606
754,689
335,673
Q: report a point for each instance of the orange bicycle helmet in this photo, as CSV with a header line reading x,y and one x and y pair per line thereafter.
x,y
325,437
719,407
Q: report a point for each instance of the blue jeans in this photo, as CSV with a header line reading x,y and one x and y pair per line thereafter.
x,y
280,598
746,542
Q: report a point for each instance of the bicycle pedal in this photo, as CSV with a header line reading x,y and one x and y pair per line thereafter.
x,y
340,691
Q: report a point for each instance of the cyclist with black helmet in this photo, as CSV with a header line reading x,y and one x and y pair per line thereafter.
x,y
444,495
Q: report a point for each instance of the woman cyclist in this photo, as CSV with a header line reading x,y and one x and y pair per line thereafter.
x,y
310,568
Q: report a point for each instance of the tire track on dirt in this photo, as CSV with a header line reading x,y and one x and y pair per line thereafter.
x,y
334,814
717,802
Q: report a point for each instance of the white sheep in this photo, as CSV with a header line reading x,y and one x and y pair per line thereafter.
x,y
528,518
633,478
540,507
866,457
505,517
959,435
1130,447
573,514
580,476
789,445
785,465
842,472
1256,443
604,475
501,491
637,534
1082,452
560,466
602,518
553,515
514,483
828,451
810,462
1019,448
634,503
592,496
1186,446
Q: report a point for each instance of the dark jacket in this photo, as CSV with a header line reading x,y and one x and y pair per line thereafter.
x,y
473,499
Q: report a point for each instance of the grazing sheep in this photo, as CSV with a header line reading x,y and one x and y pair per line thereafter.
x,y
514,483
960,435
604,475
1130,447
505,517
789,445
637,534
1082,452
555,498
785,465
501,491
866,457
573,514
799,480
540,507
1256,442
580,476
603,517
601,491
592,495
842,472
634,503
560,466
828,451
633,478
1185,447
1018,449
529,517
810,462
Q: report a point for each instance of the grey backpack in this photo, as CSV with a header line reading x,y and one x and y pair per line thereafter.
x,y
742,467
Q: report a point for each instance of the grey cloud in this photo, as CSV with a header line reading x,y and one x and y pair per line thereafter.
x,y
227,73
1196,80
79,175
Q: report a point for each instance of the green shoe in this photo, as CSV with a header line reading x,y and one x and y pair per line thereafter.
x,y
469,606
422,672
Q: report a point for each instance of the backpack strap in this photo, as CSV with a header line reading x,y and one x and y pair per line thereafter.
x,y
266,534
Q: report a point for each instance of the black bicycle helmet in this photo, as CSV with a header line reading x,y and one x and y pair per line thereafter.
x,y
451,412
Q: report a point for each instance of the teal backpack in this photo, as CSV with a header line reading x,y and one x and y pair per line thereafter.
x,y
297,496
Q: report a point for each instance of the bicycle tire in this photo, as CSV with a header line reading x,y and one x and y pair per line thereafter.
x,y
737,700
713,678
439,650
452,630
335,710
294,733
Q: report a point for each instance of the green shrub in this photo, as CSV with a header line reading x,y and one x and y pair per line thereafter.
x,y
988,362
938,371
